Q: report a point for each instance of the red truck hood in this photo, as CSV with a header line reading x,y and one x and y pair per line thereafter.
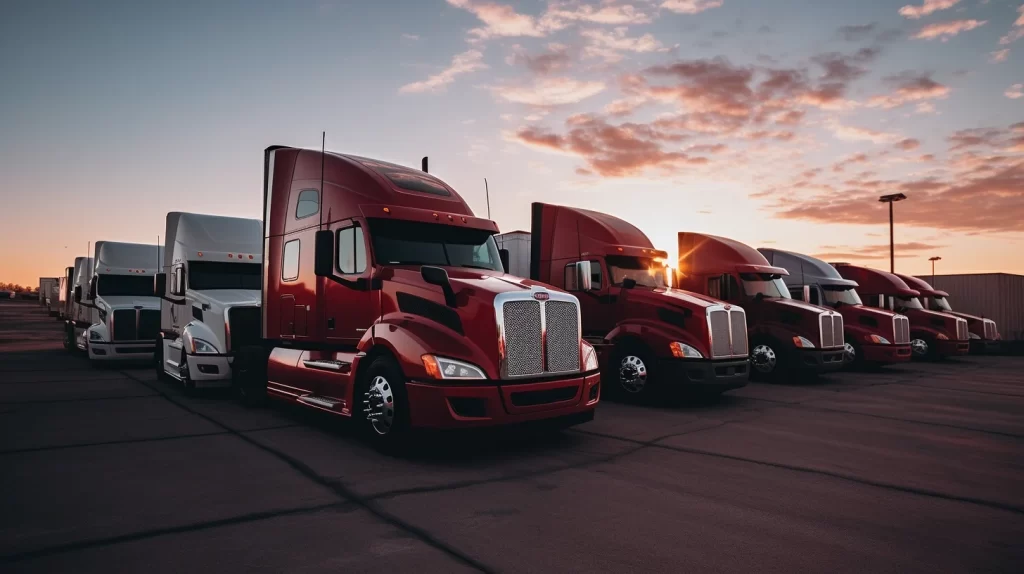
x,y
672,297
855,311
922,319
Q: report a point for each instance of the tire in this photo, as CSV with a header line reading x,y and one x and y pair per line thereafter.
x,y
921,349
633,372
765,359
381,391
158,360
249,376
854,358
186,382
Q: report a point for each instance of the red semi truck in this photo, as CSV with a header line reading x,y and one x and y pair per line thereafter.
x,y
932,334
784,333
384,299
648,335
983,333
874,336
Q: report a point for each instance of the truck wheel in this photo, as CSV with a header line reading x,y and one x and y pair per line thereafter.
x,y
158,360
764,359
920,349
186,381
382,404
249,374
633,370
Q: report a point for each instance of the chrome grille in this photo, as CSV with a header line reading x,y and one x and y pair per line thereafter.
x,y
831,327
124,325
961,330
728,328
561,322
990,329
538,336
901,330
837,330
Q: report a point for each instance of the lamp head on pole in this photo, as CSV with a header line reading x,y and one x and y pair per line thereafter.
x,y
892,197
934,259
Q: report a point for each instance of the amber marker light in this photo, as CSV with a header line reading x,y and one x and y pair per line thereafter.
x,y
387,210
430,364
200,253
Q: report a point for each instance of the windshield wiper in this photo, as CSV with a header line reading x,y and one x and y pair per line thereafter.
x,y
469,266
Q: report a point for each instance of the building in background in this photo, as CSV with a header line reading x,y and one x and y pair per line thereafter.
x,y
996,296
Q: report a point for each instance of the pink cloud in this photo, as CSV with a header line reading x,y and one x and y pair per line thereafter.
x,y
690,6
1000,55
946,30
464,63
556,91
929,6
853,133
610,44
555,58
1015,91
501,20
1018,29
909,87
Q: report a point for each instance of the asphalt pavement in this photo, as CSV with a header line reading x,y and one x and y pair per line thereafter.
x,y
916,468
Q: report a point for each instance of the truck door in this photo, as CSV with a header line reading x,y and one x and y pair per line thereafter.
x,y
350,307
597,306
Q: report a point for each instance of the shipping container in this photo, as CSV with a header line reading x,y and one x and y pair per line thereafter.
x,y
996,296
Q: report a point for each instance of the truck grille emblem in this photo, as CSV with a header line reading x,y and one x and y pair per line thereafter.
x,y
541,296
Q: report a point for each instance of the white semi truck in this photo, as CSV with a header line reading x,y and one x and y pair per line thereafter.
x,y
48,290
124,314
78,314
210,291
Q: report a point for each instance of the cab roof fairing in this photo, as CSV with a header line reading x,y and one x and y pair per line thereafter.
x,y
804,269
874,281
703,254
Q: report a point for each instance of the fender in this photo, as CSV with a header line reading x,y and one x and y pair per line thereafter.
x,y
656,336
195,329
410,337
925,332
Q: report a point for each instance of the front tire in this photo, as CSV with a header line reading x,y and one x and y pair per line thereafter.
x,y
382,405
764,359
186,380
633,369
920,349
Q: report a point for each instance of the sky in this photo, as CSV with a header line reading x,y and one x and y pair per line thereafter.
x,y
775,122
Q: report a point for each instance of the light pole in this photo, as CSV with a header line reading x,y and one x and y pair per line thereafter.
x,y
890,199
933,260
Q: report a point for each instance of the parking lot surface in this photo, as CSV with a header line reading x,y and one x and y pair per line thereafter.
x,y
917,468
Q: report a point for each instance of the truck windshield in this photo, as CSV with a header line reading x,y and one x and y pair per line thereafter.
x,y
643,270
766,284
208,275
939,303
835,295
413,243
122,285
906,303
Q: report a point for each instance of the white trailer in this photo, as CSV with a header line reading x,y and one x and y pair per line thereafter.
x,y
210,287
46,291
124,313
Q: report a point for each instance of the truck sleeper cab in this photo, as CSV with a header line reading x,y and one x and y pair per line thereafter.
x,y
53,299
874,336
79,315
932,334
649,336
64,293
209,291
784,334
983,333
123,311
385,299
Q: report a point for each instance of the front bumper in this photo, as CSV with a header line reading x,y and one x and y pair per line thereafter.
x,y
209,371
121,351
984,346
452,406
720,375
818,360
886,353
953,348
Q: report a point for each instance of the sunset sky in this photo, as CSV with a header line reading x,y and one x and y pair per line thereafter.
x,y
775,122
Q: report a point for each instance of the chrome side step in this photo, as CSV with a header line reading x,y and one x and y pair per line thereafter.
x,y
320,401
327,365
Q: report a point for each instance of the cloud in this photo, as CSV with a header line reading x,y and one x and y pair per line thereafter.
x,y
857,32
464,63
609,45
1018,29
410,37
555,59
908,144
544,92
690,6
843,67
946,30
925,108
909,87
624,106
929,6
608,14
874,252
1015,91
999,55
501,20
853,133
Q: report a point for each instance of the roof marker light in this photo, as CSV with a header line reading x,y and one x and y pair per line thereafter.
x,y
231,256
387,210
200,253
464,220
250,257
450,218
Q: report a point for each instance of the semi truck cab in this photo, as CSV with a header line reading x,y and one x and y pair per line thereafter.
x,y
64,297
385,299
783,333
79,315
124,313
875,336
932,334
648,335
210,297
983,334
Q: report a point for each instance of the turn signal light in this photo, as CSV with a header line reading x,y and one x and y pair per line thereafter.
x,y
430,364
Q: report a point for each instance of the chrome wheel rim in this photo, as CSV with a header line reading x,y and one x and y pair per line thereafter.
x,y
919,347
764,359
632,374
851,353
380,405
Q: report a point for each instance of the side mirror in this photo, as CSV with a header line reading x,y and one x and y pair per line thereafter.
x,y
628,283
160,284
583,277
78,293
504,255
437,276
323,264
726,287
807,293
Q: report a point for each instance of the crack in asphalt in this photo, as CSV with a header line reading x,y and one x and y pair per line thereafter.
x,y
335,486
153,533
817,471
78,400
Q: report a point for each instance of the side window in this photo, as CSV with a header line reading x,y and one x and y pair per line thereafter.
x,y
815,296
290,264
308,204
351,250
595,274
570,277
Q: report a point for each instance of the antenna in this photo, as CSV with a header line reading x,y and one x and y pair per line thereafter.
x,y
423,164
323,152
487,193
579,243
157,253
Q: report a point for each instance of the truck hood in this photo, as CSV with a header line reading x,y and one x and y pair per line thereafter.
x,y
227,297
129,302
864,311
671,297
923,319
480,283
794,305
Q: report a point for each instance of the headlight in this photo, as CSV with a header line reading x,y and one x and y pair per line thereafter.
x,y
201,347
802,343
95,336
443,368
589,356
876,339
684,351
973,336
942,337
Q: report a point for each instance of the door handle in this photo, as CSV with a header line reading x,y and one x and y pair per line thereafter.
x,y
330,323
